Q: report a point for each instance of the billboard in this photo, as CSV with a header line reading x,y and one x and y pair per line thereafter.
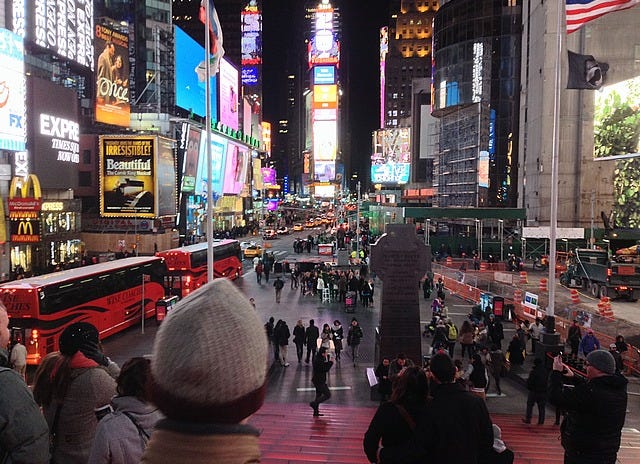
x,y
325,96
236,168
324,75
257,173
166,177
127,176
64,27
391,161
268,176
218,155
112,77
250,76
324,191
323,47
617,133
384,49
325,134
251,41
190,92
324,171
13,112
228,83
54,133
483,169
190,146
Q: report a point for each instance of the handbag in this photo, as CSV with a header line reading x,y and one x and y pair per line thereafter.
x,y
506,367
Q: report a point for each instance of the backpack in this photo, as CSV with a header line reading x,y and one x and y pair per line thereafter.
x,y
453,332
259,268
278,284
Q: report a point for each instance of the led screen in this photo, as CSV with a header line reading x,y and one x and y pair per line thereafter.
x,y
237,166
112,77
324,171
325,96
228,94
190,92
250,76
324,191
13,118
268,176
218,155
166,177
324,75
391,161
390,173
251,41
324,140
190,146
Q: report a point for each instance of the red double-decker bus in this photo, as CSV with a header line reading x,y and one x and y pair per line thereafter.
x,y
187,266
110,295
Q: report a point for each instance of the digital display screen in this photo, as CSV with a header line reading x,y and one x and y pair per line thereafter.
x,y
13,112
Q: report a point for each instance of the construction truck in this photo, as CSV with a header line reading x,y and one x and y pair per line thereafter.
x,y
594,271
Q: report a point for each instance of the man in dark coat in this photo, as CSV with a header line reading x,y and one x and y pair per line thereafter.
x,y
451,407
321,365
595,409
537,386
311,335
495,331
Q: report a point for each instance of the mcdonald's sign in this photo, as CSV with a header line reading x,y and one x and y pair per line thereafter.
x,y
25,230
25,197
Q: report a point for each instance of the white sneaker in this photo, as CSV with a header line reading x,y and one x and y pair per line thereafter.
x,y
286,364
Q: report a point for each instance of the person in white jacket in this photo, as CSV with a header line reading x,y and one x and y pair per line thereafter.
x,y
122,436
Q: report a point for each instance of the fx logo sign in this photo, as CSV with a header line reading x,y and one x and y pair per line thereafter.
x,y
15,120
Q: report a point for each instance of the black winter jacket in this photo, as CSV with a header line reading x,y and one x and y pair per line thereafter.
x,y
538,378
596,411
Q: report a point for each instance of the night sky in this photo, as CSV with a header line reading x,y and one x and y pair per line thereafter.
x,y
361,21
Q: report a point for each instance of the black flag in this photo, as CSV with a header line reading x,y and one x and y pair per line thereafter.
x,y
585,72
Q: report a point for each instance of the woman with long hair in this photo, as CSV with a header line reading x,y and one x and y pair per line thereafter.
x,y
395,420
73,386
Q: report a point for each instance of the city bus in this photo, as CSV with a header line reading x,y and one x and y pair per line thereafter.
x,y
187,265
108,295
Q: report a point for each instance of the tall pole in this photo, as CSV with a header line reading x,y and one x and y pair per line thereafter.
x,y
358,220
207,60
593,201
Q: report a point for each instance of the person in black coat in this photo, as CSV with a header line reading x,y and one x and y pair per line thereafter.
x,y
311,340
495,331
281,336
516,357
321,365
537,386
384,380
595,409
299,338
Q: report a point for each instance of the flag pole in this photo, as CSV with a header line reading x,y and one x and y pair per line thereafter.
x,y
207,61
553,215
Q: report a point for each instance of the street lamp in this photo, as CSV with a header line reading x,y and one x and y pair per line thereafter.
x,y
358,220
427,233
501,232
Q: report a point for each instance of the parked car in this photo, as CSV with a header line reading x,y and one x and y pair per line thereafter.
x,y
283,230
252,251
244,245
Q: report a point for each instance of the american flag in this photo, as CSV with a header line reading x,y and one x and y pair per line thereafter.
x,y
215,33
580,12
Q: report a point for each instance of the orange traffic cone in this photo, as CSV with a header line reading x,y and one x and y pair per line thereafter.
x,y
575,296
523,277
543,284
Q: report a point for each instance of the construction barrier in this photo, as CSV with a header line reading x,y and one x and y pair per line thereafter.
x,y
449,261
575,296
483,265
604,307
523,277
543,285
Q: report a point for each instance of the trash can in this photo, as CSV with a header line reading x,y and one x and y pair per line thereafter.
x,y
163,307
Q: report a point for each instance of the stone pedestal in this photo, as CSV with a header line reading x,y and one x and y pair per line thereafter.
x,y
343,257
549,342
400,259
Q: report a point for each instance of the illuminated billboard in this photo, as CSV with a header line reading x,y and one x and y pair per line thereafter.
x,y
112,77
166,177
268,176
323,47
127,171
324,75
325,135
324,191
325,96
250,76
391,161
228,79
218,155
54,133
190,146
237,166
384,49
190,92
257,173
617,133
64,27
483,169
13,116
324,171
251,41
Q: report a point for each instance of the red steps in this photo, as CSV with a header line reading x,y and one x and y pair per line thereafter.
x,y
291,435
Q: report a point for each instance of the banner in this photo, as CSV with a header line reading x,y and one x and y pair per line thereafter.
x,y
166,181
13,119
112,77
127,175
191,136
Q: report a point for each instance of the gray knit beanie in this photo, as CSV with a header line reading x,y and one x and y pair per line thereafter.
x,y
210,357
603,361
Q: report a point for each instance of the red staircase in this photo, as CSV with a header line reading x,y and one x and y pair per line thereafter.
x,y
291,435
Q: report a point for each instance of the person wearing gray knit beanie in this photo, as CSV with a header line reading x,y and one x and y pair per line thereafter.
x,y
208,373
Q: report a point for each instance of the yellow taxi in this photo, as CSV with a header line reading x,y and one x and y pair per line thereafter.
x,y
252,251
298,227
309,224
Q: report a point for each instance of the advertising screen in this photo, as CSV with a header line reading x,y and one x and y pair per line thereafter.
x,y
236,168
325,96
112,77
268,176
190,92
13,116
391,161
127,172
324,171
390,173
483,169
218,152
251,41
324,191
250,76
64,27
190,145
257,174
617,133
325,134
166,177
228,94
324,75
54,133
324,49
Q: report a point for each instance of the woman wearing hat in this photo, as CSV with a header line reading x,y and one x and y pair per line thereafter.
x,y
72,385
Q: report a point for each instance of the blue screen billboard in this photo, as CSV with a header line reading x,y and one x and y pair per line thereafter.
x,y
250,75
390,173
324,75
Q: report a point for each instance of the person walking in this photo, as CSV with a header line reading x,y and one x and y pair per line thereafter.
x,y
122,436
338,335
18,358
588,343
259,270
321,365
452,336
298,339
535,330
354,336
311,336
384,381
495,331
269,328
537,386
595,409
325,336
281,336
515,351
573,338
466,336
24,435
476,376
496,361
278,284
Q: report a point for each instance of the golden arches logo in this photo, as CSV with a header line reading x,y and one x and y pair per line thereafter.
x,y
25,185
25,228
